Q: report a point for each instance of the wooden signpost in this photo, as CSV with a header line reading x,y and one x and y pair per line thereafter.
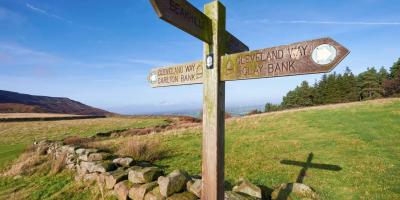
x,y
185,74
309,57
226,59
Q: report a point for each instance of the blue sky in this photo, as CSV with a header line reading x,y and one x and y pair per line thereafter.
x,y
99,52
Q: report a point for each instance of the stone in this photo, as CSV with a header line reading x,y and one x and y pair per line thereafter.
x,y
105,166
124,162
99,156
183,196
68,149
70,166
112,178
83,157
174,182
42,147
138,193
294,191
86,167
100,167
194,186
80,151
53,147
90,177
245,187
121,190
79,170
71,159
229,195
144,175
89,151
154,195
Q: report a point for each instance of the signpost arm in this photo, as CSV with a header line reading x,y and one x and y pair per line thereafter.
x,y
214,108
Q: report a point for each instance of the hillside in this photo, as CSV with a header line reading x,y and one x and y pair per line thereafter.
x,y
360,139
12,102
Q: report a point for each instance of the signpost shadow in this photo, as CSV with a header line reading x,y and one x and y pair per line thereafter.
x,y
303,172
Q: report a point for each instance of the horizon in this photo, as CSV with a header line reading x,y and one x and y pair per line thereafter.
x,y
100,53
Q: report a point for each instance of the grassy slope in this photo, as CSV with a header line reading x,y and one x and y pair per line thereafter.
x,y
16,136
362,138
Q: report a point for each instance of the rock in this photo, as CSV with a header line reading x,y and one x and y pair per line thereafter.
x,y
122,189
80,151
112,178
172,183
70,166
144,175
53,147
138,193
99,156
83,157
245,187
294,191
124,162
42,147
105,166
89,151
71,159
183,196
100,167
86,167
194,186
154,195
90,177
79,170
229,195
68,149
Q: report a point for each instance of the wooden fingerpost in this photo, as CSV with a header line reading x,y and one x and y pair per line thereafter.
x,y
213,108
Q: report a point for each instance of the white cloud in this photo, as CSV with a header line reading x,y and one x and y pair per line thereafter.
x,y
365,23
44,12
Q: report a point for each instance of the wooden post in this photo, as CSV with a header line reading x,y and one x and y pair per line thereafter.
x,y
214,108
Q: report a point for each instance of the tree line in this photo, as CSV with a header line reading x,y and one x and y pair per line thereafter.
x,y
343,88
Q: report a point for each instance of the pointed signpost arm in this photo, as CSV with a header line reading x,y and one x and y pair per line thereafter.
x,y
185,16
213,109
188,18
234,45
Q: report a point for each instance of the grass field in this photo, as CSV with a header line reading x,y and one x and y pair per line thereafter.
x,y
33,115
15,136
361,138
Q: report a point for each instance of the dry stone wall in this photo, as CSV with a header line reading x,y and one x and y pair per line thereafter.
x,y
129,179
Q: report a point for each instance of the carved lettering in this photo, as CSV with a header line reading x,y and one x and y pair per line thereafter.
x,y
187,15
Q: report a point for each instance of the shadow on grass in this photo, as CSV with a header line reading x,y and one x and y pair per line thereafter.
x,y
284,194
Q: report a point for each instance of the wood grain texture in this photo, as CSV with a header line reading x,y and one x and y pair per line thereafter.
x,y
214,110
286,60
185,16
183,74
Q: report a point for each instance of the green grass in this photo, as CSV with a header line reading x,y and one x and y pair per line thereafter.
x,y
42,186
17,135
10,152
362,138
